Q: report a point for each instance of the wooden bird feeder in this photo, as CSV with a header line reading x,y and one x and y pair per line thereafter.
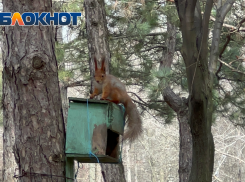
x,y
93,129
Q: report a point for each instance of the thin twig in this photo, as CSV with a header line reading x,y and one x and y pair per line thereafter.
x,y
240,160
232,69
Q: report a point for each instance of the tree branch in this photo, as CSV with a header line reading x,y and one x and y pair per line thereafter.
x,y
221,52
127,36
220,16
76,84
173,100
240,160
138,97
231,27
232,69
205,25
225,45
226,8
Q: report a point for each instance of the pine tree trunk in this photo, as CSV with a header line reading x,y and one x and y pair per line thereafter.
x,y
97,31
180,107
9,163
96,26
31,97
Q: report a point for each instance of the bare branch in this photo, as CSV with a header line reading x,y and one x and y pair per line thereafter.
x,y
127,36
240,160
220,16
138,97
231,27
77,83
232,69
226,8
205,24
198,18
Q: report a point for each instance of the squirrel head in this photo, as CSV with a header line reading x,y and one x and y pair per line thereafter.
x,y
99,74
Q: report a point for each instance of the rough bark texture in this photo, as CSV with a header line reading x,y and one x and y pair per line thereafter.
x,y
31,97
9,163
98,46
97,31
185,152
180,107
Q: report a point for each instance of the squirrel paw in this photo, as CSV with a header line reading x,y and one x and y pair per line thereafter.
x,y
91,96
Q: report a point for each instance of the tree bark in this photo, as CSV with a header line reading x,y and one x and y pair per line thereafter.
x,y
97,31
179,105
194,51
9,163
113,172
200,76
65,102
31,97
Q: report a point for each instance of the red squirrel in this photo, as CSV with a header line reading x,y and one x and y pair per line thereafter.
x,y
114,90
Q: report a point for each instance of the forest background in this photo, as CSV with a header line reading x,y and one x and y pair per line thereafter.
x,y
142,35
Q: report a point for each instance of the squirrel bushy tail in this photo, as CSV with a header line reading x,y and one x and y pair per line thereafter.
x,y
114,90
134,122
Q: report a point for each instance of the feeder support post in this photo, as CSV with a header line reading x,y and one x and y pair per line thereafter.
x,y
70,174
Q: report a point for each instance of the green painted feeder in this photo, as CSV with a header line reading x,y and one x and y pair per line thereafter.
x,y
93,129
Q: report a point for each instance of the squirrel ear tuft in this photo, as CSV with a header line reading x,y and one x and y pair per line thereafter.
x,y
103,64
95,63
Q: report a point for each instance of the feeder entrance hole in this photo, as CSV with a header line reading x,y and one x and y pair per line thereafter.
x,y
112,146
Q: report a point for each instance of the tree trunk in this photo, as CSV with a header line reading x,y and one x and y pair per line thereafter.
x,y
9,164
65,102
97,31
185,152
200,76
113,172
194,51
180,107
31,97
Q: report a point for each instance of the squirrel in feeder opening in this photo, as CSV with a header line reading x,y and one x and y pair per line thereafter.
x,y
114,90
